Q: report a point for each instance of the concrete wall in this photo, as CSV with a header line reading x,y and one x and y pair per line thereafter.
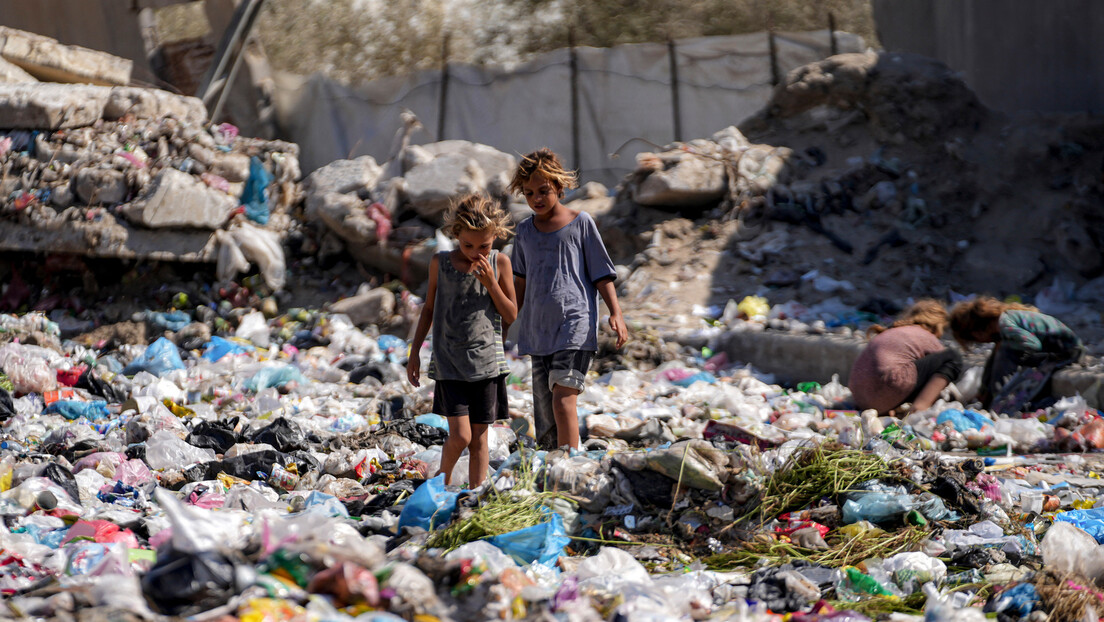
x,y
1038,55
796,358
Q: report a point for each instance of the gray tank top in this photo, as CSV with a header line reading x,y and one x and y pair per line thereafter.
x,y
467,329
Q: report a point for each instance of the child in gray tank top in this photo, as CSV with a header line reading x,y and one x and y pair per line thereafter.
x,y
471,293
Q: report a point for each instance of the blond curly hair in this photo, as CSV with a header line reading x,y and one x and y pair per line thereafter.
x,y
477,212
927,313
546,163
972,318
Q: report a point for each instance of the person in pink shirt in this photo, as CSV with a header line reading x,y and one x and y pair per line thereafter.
x,y
906,362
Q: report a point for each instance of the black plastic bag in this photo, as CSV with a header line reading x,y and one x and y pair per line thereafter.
x,y
95,385
62,477
216,435
182,584
282,434
7,405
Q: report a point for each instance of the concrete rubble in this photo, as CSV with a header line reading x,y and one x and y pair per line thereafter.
x,y
130,172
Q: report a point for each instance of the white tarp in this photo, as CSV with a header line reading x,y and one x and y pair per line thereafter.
x,y
624,95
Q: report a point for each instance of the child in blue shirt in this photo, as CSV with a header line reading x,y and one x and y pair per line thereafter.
x,y
560,267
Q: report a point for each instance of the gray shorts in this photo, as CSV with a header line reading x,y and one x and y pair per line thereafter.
x,y
567,368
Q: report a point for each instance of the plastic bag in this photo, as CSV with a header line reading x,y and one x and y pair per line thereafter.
x,y
218,347
876,507
253,327
697,464
73,409
964,420
539,544
255,195
263,248
160,358
1067,548
752,306
1089,521
231,260
274,376
165,450
430,506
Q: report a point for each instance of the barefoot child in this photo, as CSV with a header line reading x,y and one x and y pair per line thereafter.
x,y
471,293
560,267
1028,348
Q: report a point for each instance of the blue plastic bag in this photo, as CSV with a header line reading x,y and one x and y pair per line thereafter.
x,y
964,420
876,507
1089,521
323,504
160,358
434,420
540,544
218,347
701,376
274,376
430,506
1021,599
74,409
171,321
255,195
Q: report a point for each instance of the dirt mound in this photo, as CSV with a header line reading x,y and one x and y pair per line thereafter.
x,y
902,96
897,184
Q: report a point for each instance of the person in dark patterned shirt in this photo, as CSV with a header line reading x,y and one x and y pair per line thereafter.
x,y
1028,347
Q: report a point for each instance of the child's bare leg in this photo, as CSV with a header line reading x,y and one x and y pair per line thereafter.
x,y
460,435
930,393
564,407
479,455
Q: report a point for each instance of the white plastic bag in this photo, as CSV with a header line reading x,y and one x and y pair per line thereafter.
x,y
254,328
231,260
262,247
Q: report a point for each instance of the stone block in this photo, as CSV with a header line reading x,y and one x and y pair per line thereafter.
x,y
153,104
430,187
691,182
176,199
45,106
344,214
375,306
12,74
343,176
50,61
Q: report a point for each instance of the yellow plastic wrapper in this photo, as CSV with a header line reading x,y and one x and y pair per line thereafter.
x,y
5,477
229,480
272,610
177,409
861,528
753,305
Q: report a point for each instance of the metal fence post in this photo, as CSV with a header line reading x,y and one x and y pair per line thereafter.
x,y
833,46
443,102
574,64
676,107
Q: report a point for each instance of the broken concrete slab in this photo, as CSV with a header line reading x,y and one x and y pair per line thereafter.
x,y
108,239
153,104
431,187
693,181
13,74
375,306
343,176
50,61
498,166
48,106
176,199
345,215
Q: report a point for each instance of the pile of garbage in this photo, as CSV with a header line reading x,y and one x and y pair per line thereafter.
x,y
132,172
282,467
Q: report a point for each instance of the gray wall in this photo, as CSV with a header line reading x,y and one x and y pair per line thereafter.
x,y
1038,55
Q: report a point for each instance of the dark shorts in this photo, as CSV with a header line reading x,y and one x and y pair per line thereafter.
x,y
567,368
481,401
